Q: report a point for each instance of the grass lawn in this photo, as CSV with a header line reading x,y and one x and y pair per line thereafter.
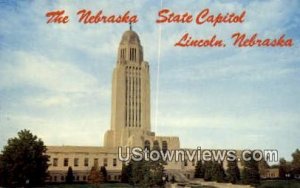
x,y
280,184
105,185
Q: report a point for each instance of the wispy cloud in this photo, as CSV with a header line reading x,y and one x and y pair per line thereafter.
x,y
39,71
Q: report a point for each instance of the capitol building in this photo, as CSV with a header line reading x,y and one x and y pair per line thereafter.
x,y
130,123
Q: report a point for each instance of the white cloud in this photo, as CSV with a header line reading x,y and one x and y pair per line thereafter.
x,y
49,101
57,131
39,71
254,121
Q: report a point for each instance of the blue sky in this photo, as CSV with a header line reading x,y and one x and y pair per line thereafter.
x,y
56,79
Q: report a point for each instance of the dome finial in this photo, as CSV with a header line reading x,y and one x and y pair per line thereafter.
x,y
130,26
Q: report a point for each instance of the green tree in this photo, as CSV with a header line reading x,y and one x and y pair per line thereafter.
x,y
70,176
137,172
296,159
250,173
103,172
24,159
157,168
263,166
146,173
199,170
207,166
3,175
218,173
94,176
284,168
233,172
126,172
296,162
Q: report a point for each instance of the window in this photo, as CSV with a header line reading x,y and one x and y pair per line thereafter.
x,y
76,161
105,162
77,178
185,162
193,162
84,178
96,162
55,178
62,178
114,162
122,53
156,145
86,162
66,162
55,161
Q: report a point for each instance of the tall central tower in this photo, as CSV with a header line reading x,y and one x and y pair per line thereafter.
x,y
130,116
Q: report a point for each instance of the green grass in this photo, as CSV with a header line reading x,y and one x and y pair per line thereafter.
x,y
280,184
105,185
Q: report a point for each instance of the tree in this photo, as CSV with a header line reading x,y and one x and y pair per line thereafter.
x,y
250,173
137,172
157,168
3,175
233,172
218,173
296,162
146,173
199,170
296,159
70,176
207,166
126,172
94,176
213,171
24,159
263,166
103,172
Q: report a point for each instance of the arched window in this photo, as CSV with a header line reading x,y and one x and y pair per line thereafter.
x,y
156,145
164,146
147,144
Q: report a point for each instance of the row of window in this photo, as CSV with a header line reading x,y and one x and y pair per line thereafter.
x,y
133,101
123,53
81,178
131,67
133,73
63,178
132,54
109,177
76,162
164,144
